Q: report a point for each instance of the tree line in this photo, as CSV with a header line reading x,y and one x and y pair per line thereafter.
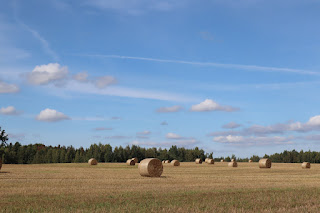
x,y
39,153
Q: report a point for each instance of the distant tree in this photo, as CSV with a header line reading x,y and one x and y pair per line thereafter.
x,y
3,139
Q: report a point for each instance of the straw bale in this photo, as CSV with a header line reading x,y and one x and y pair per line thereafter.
x,y
175,163
265,163
210,161
93,161
233,164
306,165
150,167
198,161
131,162
135,160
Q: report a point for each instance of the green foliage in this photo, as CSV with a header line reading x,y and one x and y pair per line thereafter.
x,y
39,153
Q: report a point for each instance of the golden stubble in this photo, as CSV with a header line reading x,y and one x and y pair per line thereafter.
x,y
189,187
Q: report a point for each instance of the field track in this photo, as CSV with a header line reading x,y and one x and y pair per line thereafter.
x,y
116,187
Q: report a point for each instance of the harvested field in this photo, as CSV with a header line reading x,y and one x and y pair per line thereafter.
x,y
115,187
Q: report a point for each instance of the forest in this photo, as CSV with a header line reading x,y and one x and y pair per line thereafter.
x,y
39,153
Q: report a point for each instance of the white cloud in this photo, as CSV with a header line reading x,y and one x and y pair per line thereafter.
x,y
8,88
236,139
314,121
81,76
104,81
146,132
231,125
10,110
210,105
51,115
175,108
171,135
44,74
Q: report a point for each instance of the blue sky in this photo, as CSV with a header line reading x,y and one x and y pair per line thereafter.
x,y
231,77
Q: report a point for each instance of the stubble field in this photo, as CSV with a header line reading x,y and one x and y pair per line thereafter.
x,y
116,187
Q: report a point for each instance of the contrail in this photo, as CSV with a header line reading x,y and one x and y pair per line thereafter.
x,y
44,43
210,64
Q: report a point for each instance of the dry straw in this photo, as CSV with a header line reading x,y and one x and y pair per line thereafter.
x,y
265,163
221,160
306,165
131,162
93,161
135,160
167,161
210,161
206,160
150,167
175,163
233,164
198,161
250,161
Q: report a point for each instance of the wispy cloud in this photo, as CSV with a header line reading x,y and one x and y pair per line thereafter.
x,y
175,108
212,64
8,88
44,43
251,141
73,86
231,125
103,128
313,124
10,110
146,132
136,7
181,143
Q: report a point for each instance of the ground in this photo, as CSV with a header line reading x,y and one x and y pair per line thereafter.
x,y
116,187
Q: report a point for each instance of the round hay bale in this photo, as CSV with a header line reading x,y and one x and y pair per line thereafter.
x,y
210,161
163,161
265,163
131,162
250,161
206,160
198,161
233,164
150,167
232,160
221,160
175,163
93,161
306,165
135,160
167,161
